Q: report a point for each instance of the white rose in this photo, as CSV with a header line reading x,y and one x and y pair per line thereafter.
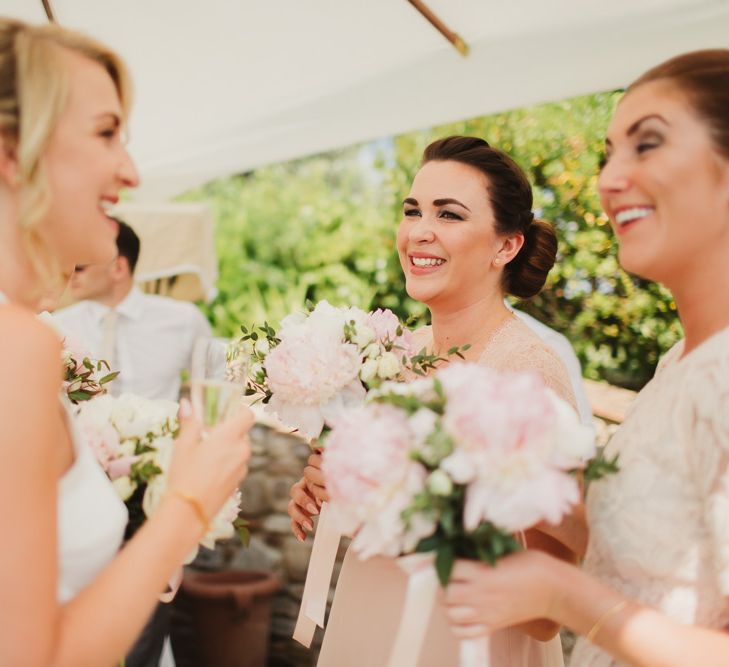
x,y
372,351
124,486
439,483
368,371
388,366
364,336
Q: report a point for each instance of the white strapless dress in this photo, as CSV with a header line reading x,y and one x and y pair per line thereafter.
x,y
91,516
91,519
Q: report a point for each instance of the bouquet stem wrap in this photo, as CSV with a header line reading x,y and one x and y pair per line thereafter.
x,y
419,600
318,578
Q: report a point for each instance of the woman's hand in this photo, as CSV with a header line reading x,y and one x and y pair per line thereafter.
x,y
302,507
482,598
307,495
315,478
210,468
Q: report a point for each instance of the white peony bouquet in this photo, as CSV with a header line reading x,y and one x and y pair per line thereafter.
x,y
133,440
321,362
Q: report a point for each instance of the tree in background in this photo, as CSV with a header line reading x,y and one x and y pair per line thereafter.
x,y
324,227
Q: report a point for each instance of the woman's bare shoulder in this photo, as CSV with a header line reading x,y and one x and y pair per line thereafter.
x,y
422,337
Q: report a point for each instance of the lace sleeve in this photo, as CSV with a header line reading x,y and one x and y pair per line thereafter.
x,y
538,358
705,427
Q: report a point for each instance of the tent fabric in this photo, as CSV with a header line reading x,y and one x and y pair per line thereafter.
x,y
177,255
224,86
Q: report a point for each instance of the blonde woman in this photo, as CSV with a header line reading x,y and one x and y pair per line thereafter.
x,y
68,597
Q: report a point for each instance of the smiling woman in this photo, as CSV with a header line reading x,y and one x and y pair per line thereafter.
x,y
63,102
467,238
654,589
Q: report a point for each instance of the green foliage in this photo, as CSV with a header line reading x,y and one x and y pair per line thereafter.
x,y
306,230
324,227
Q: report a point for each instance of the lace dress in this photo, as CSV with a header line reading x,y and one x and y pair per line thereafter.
x,y
367,604
659,529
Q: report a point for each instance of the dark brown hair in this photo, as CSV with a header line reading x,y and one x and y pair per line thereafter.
x,y
703,76
511,200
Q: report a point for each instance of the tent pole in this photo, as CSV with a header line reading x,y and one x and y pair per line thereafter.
x,y
49,11
453,37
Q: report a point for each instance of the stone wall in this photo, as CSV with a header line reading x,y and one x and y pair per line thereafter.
x,y
277,462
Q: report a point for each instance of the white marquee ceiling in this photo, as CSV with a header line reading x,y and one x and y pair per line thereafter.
x,y
223,86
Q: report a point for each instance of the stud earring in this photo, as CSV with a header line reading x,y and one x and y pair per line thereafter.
x,y
497,261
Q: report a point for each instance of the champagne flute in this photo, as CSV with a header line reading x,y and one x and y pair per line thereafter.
x,y
213,393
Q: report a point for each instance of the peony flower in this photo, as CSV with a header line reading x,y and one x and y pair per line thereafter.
x,y
221,527
574,442
488,410
513,441
311,378
518,494
372,479
137,417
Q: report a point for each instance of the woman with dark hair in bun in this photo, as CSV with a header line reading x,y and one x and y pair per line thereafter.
x,y
467,238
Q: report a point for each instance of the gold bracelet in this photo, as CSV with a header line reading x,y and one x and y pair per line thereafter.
x,y
615,609
195,504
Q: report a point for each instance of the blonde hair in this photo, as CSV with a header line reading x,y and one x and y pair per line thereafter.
x,y
34,87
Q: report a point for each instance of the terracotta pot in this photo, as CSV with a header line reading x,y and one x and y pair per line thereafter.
x,y
230,614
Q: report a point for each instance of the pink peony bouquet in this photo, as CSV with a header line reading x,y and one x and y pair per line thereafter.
x,y
324,361
456,464
133,439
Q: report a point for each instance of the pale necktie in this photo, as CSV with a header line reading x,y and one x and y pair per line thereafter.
x,y
108,338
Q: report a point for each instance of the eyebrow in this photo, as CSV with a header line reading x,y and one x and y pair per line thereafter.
x,y
636,126
109,115
437,202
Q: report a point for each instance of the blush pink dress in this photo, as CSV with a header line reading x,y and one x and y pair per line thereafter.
x,y
367,605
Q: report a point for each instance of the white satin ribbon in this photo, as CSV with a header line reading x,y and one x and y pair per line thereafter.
x,y
474,652
419,600
318,578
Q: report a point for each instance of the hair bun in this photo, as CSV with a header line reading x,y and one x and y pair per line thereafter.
x,y
526,274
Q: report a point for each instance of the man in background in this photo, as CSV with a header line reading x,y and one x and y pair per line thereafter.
x,y
149,339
